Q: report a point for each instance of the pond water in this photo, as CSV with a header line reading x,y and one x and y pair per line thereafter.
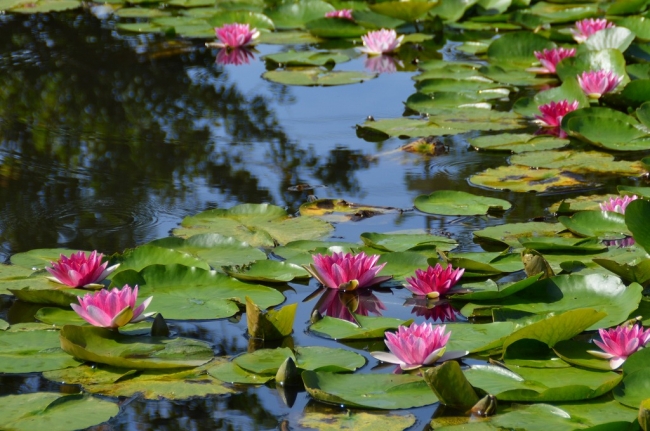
x,y
109,139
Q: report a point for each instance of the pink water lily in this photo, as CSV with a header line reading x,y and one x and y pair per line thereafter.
x,y
618,204
112,308
551,57
346,271
80,270
435,281
380,42
235,56
620,342
235,35
343,13
417,345
595,83
553,112
589,26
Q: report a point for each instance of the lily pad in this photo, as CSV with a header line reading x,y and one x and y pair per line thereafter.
x,y
272,325
368,327
32,351
523,179
358,421
634,388
296,15
267,271
253,19
407,242
378,391
46,6
181,292
576,352
17,277
610,38
517,143
403,10
317,77
314,358
335,28
112,348
306,58
557,12
217,250
478,337
40,258
451,202
601,224
232,373
606,59
541,384
332,209
54,412
636,216
517,48
139,258
509,234
635,271
485,264
578,161
256,224
149,384
606,128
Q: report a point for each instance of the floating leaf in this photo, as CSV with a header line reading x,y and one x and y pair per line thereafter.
x,y
296,15
524,179
378,391
46,6
576,352
451,202
517,143
268,271
601,224
112,348
253,19
606,128
407,242
256,224
555,13
315,76
335,28
32,351
606,59
509,234
358,421
139,258
54,412
517,48
185,293
478,337
403,10
331,208
315,358
272,325
306,58
578,161
636,217
40,258
609,38
634,388
230,372
450,386
369,327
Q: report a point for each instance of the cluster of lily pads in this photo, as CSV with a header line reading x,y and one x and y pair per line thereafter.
x,y
561,344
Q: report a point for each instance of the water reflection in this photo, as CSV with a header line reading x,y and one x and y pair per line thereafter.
x,y
342,305
382,64
436,311
235,56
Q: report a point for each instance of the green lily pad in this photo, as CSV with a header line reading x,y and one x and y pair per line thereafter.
x,y
579,162
635,271
54,412
46,6
217,250
149,384
523,179
112,348
369,327
317,77
273,325
634,388
58,316
639,25
359,421
32,351
253,19
485,264
575,245
450,386
610,38
140,12
296,15
17,277
508,234
517,143
478,337
335,28
256,224
575,352
636,216
601,224
606,128
580,203
181,292
43,291
232,373
267,271
306,58
556,13
304,248
514,76
314,358
378,391
561,293
636,92
491,290
143,27
472,86
403,10
139,258
606,59
288,38
517,48
40,258
451,202
407,242
400,264
541,384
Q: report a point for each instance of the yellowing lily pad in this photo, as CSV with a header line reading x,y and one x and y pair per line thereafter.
x,y
359,421
524,179
313,76
578,161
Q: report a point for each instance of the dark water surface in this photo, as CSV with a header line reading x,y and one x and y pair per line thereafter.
x,y
108,140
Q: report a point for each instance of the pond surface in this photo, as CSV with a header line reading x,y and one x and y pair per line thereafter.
x,y
108,140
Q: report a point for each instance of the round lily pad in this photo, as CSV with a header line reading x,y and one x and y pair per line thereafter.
x,y
524,179
517,143
451,202
32,351
579,162
315,76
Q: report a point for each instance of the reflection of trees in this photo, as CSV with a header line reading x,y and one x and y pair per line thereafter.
x,y
99,135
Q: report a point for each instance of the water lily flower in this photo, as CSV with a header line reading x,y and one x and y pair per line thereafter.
x,y
382,64
618,204
589,26
417,345
553,112
620,342
80,270
235,35
595,83
112,308
551,57
380,42
343,13
236,56
346,271
620,243
435,281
